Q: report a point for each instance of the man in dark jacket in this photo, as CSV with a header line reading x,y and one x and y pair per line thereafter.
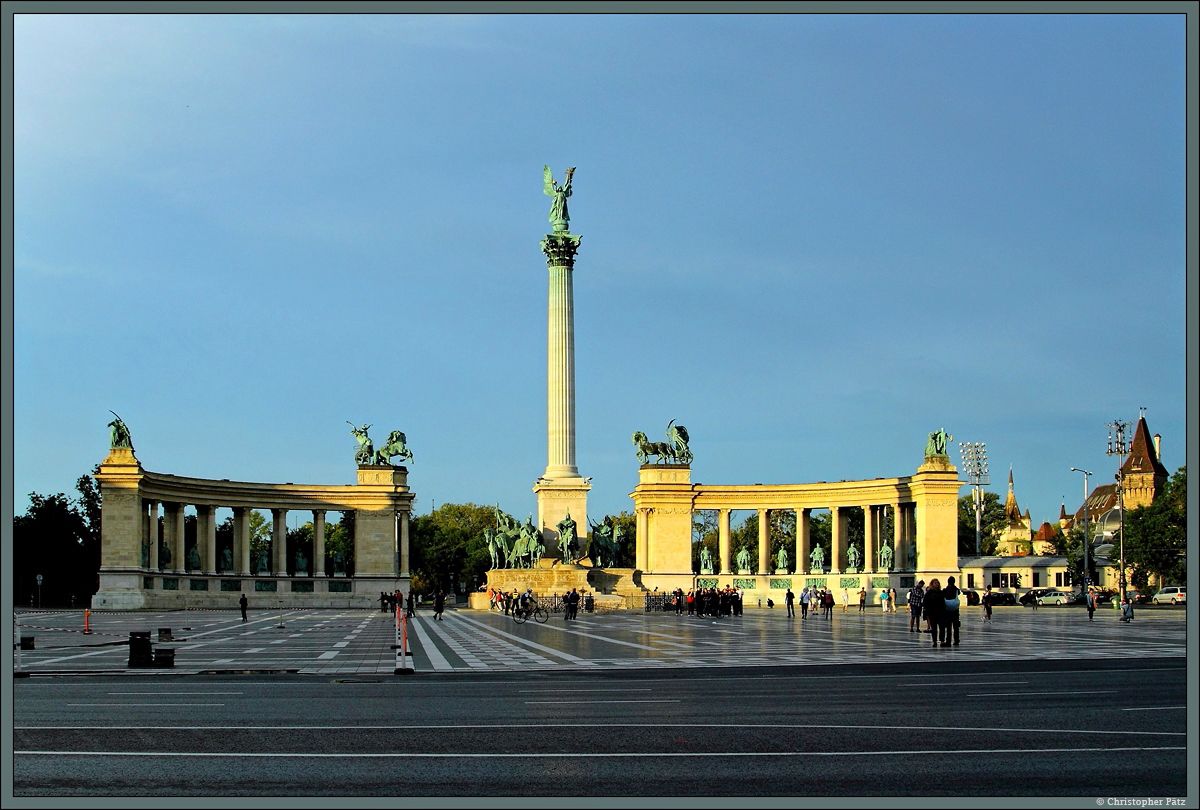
x,y
950,615
915,597
439,604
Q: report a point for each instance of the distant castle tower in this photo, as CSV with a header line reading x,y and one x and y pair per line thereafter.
x,y
1144,473
1017,536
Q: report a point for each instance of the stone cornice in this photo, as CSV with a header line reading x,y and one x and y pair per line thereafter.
x,y
225,493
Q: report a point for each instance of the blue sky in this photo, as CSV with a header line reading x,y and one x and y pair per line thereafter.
x,y
811,239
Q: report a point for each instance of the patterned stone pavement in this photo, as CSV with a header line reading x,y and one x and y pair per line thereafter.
x,y
357,642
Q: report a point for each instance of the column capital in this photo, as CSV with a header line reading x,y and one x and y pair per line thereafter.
x,y
560,249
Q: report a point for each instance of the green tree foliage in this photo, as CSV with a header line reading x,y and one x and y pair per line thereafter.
x,y
1156,536
628,523
447,546
991,525
820,533
59,538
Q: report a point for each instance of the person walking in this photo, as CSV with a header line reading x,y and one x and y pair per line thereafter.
x,y
883,598
243,603
916,595
862,600
789,599
987,603
827,601
1091,604
892,601
804,597
951,594
845,599
439,604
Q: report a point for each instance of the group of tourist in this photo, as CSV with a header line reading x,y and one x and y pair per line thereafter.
x,y
811,600
939,607
388,602
718,602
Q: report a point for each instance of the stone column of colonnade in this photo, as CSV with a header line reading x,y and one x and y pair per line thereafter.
x,y
802,539
837,537
318,548
764,541
279,542
642,550
723,540
241,540
402,567
151,534
206,538
870,539
173,535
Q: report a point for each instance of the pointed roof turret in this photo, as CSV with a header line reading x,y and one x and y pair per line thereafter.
x,y
1011,510
1142,456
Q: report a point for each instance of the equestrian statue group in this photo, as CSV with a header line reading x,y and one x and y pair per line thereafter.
x,y
512,544
367,455
673,451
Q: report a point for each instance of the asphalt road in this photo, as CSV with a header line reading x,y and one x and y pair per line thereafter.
x,y
945,727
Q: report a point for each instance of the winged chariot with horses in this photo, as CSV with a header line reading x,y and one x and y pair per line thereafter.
x,y
673,451
395,446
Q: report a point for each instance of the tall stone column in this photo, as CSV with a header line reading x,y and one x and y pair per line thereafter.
x,y
318,542
642,547
403,544
279,541
561,490
241,540
206,538
837,539
152,533
723,540
869,535
802,536
173,535
764,541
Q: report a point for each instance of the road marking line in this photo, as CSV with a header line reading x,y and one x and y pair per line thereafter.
x,y
325,656
175,694
574,659
576,702
138,705
590,754
1153,708
1098,691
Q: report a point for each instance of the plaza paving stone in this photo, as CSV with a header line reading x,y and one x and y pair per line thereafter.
x,y
361,642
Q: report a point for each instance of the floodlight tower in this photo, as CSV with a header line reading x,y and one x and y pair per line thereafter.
x,y
1118,446
974,456
1087,577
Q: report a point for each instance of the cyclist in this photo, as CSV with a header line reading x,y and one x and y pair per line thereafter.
x,y
526,602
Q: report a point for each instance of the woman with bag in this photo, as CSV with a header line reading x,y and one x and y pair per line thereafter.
x,y
934,605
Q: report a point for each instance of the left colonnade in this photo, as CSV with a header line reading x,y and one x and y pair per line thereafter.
x,y
145,566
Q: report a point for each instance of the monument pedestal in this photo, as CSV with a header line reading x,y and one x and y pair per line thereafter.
x,y
556,497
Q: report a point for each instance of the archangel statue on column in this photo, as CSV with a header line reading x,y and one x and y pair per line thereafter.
x,y
559,217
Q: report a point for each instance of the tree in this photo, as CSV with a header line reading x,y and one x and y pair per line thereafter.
x,y
1156,535
448,546
991,525
59,538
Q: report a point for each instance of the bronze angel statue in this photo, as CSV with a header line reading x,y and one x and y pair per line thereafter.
x,y
559,217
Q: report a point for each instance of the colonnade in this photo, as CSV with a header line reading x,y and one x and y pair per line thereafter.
x,y
173,538
902,540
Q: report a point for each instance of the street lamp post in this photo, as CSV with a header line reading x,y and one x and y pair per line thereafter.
x,y
1118,446
974,456
1087,577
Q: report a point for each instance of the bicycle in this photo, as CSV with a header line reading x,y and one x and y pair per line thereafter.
x,y
535,612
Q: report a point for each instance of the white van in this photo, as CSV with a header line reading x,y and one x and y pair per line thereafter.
x,y
1176,595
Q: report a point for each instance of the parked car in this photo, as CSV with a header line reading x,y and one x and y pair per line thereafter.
x,y
1103,597
1137,597
971,595
1175,594
1031,596
1056,598
1001,598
